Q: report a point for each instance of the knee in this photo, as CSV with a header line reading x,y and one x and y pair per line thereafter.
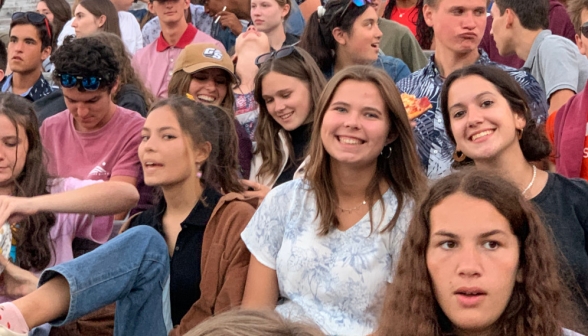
x,y
146,235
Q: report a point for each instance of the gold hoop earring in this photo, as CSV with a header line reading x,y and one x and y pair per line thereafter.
x,y
458,157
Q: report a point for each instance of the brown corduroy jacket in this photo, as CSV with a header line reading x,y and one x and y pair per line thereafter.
x,y
225,260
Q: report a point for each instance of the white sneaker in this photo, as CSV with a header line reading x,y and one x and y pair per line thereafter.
x,y
6,332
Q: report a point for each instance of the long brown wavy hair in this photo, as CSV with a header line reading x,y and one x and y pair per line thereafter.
x,y
209,123
401,170
539,305
34,248
298,65
127,72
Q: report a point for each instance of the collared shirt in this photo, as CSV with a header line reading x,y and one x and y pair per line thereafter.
x,y
557,64
200,19
433,145
185,263
40,89
155,62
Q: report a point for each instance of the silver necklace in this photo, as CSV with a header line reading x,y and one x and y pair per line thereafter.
x,y
532,180
352,209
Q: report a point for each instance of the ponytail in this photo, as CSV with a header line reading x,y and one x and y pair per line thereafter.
x,y
317,38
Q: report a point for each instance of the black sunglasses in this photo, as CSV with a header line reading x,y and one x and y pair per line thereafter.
x,y
284,52
584,29
35,18
91,83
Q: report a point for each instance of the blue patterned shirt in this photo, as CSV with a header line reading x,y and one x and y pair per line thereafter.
x,y
40,89
433,145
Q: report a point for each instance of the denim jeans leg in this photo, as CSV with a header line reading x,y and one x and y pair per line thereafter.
x,y
131,270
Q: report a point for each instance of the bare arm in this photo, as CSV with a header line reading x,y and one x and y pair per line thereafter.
x,y
100,199
261,289
559,98
132,181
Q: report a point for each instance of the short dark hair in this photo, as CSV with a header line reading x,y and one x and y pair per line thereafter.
x,y
533,14
45,36
86,56
3,56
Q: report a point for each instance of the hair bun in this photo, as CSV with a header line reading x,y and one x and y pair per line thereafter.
x,y
320,11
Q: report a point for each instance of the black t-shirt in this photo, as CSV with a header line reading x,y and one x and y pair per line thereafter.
x,y
563,205
185,264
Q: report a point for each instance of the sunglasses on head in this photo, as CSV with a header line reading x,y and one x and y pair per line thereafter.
x,y
33,17
284,52
357,3
584,29
91,83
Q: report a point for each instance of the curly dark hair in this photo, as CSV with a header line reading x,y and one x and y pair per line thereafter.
x,y
34,248
424,32
540,305
86,56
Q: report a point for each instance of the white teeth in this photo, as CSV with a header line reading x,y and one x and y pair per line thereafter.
x,y
481,134
206,98
286,116
350,141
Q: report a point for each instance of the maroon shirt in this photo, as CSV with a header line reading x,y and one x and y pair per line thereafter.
x,y
559,24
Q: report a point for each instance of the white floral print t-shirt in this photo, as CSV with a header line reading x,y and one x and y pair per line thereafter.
x,y
337,281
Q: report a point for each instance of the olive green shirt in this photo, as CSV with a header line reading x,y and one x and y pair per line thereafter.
x,y
398,41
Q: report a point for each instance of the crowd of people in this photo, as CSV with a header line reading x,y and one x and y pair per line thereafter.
x,y
279,167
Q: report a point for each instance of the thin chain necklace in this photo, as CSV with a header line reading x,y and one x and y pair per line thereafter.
x,y
403,11
352,209
532,180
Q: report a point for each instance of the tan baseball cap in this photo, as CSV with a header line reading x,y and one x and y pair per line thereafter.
x,y
200,56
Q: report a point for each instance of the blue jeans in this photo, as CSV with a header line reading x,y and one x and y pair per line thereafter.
x,y
132,270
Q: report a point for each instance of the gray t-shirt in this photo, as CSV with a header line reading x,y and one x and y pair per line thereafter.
x,y
556,64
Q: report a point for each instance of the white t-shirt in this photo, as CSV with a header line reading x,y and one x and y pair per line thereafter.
x,y
337,281
129,28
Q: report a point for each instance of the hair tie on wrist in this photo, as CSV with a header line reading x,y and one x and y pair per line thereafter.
x,y
320,11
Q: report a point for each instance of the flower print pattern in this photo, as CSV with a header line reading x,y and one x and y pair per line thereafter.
x,y
336,281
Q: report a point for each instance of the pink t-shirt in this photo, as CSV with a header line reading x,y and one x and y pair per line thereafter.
x,y
98,155
155,62
69,226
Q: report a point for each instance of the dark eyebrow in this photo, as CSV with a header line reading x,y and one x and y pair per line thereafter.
x,y
477,96
492,233
446,234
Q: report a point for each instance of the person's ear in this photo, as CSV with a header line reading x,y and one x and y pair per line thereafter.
x,y
101,21
340,36
580,45
285,10
428,12
2,74
202,152
45,53
114,88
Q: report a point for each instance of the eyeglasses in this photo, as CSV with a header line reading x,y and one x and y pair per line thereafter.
x,y
35,18
584,29
357,3
284,52
91,83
